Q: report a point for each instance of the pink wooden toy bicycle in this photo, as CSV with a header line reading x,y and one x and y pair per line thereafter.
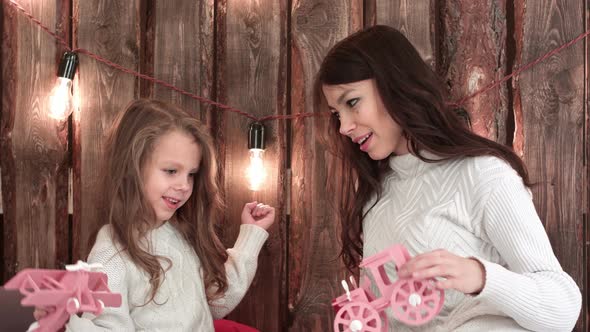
x,y
73,291
413,301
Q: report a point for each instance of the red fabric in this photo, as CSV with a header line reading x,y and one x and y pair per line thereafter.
x,y
223,325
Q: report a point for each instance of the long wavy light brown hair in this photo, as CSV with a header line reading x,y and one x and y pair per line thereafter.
x,y
415,99
126,209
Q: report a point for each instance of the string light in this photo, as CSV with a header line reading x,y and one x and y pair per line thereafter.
x,y
255,173
459,103
60,98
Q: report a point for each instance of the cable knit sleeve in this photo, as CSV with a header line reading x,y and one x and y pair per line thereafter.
x,y
111,319
533,289
240,268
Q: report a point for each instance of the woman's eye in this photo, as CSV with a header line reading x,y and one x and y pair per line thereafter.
x,y
352,102
192,175
170,171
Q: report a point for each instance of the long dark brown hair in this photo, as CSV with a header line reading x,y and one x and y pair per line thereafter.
x,y
416,100
126,209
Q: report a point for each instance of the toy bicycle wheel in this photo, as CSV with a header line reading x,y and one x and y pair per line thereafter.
x,y
415,302
357,317
72,305
99,307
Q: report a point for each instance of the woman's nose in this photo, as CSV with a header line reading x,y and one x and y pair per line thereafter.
x,y
347,124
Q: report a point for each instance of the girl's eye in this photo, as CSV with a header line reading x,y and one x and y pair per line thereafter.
x,y
192,175
170,171
352,102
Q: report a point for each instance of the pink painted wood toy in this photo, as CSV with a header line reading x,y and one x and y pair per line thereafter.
x,y
79,289
412,301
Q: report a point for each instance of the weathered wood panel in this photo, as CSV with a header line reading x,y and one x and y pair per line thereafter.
x,y
33,145
251,45
585,314
415,19
473,55
108,28
552,110
315,269
183,51
474,46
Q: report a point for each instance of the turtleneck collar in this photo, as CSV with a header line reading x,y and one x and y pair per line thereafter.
x,y
410,166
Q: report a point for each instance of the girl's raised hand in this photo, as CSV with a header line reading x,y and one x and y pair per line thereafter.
x,y
466,275
258,214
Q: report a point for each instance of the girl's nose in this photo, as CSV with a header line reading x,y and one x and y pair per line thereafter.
x,y
183,183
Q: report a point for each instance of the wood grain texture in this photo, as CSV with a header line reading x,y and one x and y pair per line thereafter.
x,y
315,269
263,60
473,55
415,19
585,315
33,146
552,108
7,160
183,52
108,28
251,51
63,194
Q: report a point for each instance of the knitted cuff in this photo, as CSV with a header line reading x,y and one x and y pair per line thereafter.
x,y
250,240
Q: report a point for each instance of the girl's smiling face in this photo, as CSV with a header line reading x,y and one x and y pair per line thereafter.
x,y
168,174
364,118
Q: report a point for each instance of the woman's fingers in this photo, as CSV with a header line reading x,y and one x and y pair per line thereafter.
x,y
41,312
466,275
427,261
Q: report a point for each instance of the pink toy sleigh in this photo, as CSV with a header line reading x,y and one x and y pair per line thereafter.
x,y
70,292
412,301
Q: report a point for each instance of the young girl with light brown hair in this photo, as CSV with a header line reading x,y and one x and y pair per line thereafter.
x,y
161,202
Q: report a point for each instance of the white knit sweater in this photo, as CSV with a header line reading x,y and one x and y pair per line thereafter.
x,y
475,207
182,304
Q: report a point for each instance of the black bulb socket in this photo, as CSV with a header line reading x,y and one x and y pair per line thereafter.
x,y
67,65
256,136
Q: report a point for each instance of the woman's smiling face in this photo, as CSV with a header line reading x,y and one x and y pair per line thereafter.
x,y
364,118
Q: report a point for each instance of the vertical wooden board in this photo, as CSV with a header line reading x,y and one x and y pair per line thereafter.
x,y
415,19
108,28
33,145
552,110
183,51
315,269
472,56
585,315
251,49
63,194
7,160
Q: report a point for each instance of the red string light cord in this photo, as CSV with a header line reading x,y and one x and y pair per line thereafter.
x,y
224,107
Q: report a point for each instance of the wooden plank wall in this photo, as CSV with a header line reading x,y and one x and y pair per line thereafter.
x,y
33,146
252,62
314,269
585,282
551,110
473,55
261,57
109,29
